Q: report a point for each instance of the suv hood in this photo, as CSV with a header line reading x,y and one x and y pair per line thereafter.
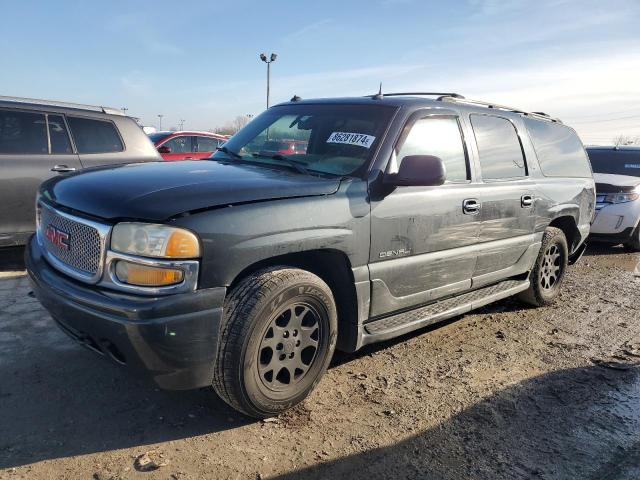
x,y
611,183
160,190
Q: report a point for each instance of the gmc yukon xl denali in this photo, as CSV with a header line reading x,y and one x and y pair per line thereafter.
x,y
247,270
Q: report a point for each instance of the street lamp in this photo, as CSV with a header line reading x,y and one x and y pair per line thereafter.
x,y
272,58
160,124
182,124
124,110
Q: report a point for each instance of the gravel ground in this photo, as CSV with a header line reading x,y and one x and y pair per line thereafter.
x,y
506,392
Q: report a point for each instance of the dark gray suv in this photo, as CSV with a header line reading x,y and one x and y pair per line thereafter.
x,y
247,270
40,139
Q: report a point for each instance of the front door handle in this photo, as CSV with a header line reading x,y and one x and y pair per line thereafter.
x,y
526,200
471,206
63,168
188,158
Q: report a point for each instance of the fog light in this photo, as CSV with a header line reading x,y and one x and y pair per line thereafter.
x,y
145,276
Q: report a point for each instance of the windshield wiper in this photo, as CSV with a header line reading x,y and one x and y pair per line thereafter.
x,y
299,166
229,152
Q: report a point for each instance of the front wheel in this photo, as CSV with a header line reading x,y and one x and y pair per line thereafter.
x,y
278,334
634,243
549,269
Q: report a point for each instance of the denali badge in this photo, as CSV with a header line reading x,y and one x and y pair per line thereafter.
x,y
395,253
57,237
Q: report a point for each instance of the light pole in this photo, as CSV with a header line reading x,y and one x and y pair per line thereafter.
x,y
181,124
272,58
160,124
124,110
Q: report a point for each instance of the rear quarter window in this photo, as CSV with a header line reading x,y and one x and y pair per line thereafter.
x,y
94,136
559,150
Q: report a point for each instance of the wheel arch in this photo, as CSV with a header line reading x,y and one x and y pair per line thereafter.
x,y
334,268
568,225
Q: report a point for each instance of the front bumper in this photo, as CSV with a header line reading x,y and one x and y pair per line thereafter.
x,y
172,339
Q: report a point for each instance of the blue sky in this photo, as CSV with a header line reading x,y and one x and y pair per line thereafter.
x,y
197,60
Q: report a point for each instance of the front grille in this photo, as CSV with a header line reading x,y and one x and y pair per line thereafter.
x,y
84,252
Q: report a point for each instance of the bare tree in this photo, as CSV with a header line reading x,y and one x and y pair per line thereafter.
x,y
622,140
240,121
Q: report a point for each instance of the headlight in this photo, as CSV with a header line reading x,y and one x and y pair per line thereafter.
x,y
157,241
620,197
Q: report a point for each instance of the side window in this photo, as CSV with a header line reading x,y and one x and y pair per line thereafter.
x,y
23,132
558,148
498,147
179,144
94,136
207,144
438,136
58,135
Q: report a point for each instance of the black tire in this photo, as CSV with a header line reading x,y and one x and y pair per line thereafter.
x,y
264,320
634,243
549,269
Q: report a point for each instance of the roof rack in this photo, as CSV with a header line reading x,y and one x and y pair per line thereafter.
x,y
54,103
538,115
405,94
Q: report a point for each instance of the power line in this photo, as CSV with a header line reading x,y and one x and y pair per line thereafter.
x,y
606,120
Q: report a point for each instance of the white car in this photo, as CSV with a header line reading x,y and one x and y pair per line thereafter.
x,y
616,171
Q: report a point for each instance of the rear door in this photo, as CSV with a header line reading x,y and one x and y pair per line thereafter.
x,y
507,244
204,146
423,238
34,146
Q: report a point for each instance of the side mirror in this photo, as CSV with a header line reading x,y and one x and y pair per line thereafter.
x,y
164,149
419,171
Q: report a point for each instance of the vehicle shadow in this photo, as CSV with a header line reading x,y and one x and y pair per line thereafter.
x,y
11,259
599,248
577,423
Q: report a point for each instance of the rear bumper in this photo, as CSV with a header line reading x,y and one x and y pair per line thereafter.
x,y
171,339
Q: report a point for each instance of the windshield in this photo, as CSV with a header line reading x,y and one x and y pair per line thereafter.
x,y
331,139
618,162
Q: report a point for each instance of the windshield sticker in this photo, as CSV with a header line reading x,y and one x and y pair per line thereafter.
x,y
359,139
632,165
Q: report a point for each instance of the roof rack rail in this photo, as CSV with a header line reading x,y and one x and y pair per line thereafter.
x,y
539,115
405,94
55,103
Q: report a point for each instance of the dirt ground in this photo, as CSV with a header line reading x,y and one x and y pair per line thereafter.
x,y
508,392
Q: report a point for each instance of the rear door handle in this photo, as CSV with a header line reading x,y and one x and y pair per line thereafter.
x,y
63,168
526,200
188,158
471,206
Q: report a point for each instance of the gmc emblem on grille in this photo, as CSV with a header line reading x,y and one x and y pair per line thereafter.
x,y
59,238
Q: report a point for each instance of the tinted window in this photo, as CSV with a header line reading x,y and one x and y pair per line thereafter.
x,y
23,132
559,150
58,135
498,147
439,137
337,139
94,136
207,144
179,145
618,162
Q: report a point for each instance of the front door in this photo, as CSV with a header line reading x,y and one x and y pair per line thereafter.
x,y
423,238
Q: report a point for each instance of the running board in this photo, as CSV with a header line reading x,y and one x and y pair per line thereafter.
x,y
401,323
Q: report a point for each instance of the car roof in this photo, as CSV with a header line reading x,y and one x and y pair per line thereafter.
x,y
34,102
189,132
629,148
418,99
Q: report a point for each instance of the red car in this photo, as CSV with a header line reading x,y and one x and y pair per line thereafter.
x,y
186,145
285,147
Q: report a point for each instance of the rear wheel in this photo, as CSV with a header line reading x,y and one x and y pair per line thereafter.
x,y
549,269
277,338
